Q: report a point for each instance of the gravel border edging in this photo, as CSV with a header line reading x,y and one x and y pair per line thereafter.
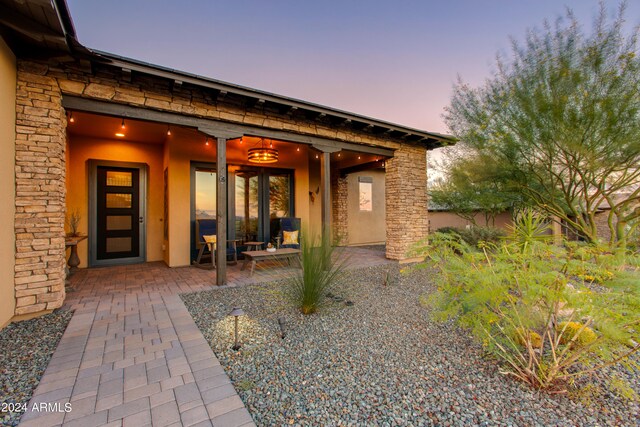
x,y
26,347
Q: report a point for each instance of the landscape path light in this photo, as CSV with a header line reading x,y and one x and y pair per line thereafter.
x,y
236,313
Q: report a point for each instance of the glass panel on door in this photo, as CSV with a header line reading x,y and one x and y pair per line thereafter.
x,y
279,200
205,194
246,206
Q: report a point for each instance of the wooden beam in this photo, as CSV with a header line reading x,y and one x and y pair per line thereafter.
x,y
221,212
287,110
126,75
210,126
326,148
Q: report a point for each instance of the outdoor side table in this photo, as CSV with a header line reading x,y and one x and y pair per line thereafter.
x,y
255,245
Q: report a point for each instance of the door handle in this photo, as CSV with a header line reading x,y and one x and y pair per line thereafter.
x,y
141,220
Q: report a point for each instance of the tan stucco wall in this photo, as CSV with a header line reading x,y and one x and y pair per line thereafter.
x,y
439,219
80,150
366,227
7,177
179,155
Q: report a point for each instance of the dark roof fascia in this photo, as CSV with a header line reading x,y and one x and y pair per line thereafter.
x,y
30,37
64,17
430,140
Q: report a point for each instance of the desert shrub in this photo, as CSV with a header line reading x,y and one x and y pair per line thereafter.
x,y
308,287
522,301
569,331
528,228
449,230
474,235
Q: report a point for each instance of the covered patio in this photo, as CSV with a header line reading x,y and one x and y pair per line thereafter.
x,y
142,188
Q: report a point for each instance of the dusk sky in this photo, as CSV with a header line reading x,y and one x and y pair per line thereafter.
x,y
394,60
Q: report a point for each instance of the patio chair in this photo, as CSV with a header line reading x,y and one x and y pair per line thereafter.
x,y
290,225
206,230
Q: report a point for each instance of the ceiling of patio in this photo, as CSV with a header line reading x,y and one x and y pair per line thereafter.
x,y
105,127
95,126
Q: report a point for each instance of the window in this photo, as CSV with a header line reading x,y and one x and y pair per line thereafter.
x,y
365,186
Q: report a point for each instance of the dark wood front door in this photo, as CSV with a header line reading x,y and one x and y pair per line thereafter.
x,y
118,213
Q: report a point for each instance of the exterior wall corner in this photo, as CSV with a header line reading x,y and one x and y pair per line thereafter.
x,y
40,191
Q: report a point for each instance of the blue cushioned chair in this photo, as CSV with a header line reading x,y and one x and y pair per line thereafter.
x,y
278,225
208,227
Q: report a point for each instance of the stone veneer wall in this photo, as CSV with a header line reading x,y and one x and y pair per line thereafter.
x,y
40,191
406,200
40,160
340,216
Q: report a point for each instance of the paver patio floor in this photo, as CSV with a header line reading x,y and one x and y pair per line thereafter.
x,y
132,354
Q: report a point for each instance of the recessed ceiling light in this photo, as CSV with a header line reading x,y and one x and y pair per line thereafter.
x,y
120,135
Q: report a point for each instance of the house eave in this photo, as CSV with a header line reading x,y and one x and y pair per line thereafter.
x,y
403,134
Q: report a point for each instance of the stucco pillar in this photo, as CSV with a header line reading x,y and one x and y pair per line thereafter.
x,y
406,200
40,191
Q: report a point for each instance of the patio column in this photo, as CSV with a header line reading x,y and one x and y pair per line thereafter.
x,y
325,184
221,199
221,212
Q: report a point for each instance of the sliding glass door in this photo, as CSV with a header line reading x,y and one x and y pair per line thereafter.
x,y
261,195
255,198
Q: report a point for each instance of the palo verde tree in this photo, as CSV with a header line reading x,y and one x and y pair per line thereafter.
x,y
560,123
471,185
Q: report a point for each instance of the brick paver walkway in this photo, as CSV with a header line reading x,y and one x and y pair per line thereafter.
x,y
132,355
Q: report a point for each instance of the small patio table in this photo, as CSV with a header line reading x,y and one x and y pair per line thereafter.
x,y
256,245
280,254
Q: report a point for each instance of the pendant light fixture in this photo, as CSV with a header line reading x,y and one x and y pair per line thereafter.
x,y
263,154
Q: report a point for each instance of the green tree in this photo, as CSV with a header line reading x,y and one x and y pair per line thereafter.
x,y
470,185
559,122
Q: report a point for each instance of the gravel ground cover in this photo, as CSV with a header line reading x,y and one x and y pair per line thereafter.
x,y
380,361
25,350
